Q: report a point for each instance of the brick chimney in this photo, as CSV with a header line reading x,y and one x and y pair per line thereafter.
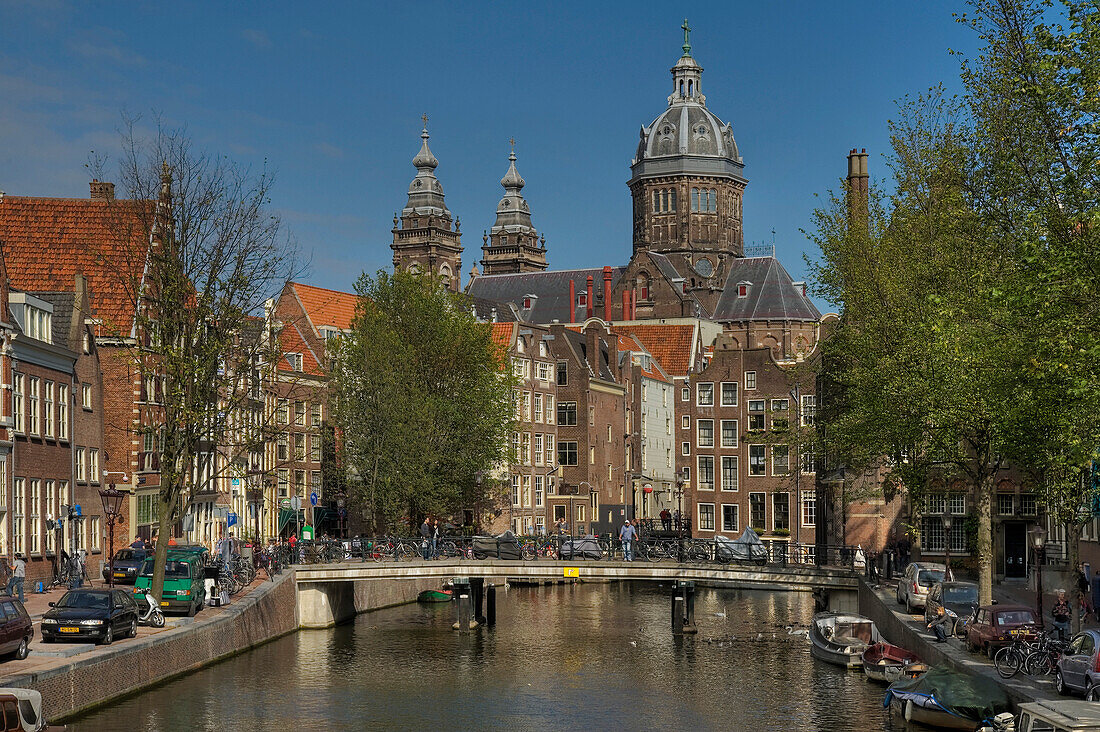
x,y
591,300
607,293
102,190
572,301
613,352
858,181
592,348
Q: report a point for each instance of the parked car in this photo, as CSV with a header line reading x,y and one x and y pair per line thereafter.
x,y
958,597
184,582
98,615
1078,670
16,628
995,626
918,579
126,563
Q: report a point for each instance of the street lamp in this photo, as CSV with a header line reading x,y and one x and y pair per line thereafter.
x,y
947,520
1038,538
681,481
112,511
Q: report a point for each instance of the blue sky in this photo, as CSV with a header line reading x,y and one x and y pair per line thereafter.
x,y
330,95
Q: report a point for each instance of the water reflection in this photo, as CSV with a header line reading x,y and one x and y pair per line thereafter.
x,y
583,657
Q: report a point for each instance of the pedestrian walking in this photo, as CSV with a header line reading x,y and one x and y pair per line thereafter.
x,y
426,535
627,534
1060,614
666,519
435,539
18,576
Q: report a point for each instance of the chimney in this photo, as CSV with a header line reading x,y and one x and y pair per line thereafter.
x,y
592,348
572,301
607,293
613,352
591,301
626,305
633,305
857,186
102,190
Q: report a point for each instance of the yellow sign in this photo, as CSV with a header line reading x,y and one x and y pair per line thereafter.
x,y
572,572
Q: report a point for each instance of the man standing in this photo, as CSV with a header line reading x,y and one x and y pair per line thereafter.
x,y
1060,614
426,535
666,519
18,576
627,534
435,539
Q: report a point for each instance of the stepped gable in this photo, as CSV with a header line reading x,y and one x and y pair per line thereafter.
x,y
47,241
771,293
548,292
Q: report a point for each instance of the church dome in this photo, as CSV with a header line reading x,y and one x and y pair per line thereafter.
x,y
687,138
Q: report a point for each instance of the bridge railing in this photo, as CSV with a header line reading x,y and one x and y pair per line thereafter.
x,y
589,548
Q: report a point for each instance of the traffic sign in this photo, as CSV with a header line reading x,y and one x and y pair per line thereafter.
x,y
296,503
573,572
313,498
230,519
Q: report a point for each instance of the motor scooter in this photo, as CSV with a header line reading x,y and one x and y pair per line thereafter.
x,y
152,614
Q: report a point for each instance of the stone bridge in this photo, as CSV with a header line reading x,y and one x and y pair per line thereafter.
x,y
332,593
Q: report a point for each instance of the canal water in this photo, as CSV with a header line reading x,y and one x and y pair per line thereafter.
x,y
579,657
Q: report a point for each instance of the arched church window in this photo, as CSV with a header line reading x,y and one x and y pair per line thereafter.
x,y
694,199
713,200
656,201
672,200
690,89
681,88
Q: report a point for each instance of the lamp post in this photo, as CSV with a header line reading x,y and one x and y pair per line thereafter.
x,y
947,520
681,481
112,505
1038,537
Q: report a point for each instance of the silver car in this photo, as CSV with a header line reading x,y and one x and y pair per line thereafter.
x,y
1078,669
914,585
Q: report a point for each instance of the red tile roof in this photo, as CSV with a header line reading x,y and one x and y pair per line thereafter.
x,y
670,345
502,335
326,307
291,341
47,241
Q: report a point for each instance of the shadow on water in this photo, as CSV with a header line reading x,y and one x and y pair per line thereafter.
x,y
577,657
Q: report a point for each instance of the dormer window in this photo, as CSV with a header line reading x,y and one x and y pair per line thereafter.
x,y
35,317
582,299
295,361
743,289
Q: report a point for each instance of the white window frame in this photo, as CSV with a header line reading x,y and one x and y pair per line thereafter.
x,y
735,462
700,440
722,394
750,380
774,471
699,461
63,412
764,452
737,515
18,406
808,506
700,389
722,433
699,517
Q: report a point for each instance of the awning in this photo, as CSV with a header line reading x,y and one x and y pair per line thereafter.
x,y
288,515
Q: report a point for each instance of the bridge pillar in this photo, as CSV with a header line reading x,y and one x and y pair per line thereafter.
x,y
677,614
324,604
687,590
477,596
491,605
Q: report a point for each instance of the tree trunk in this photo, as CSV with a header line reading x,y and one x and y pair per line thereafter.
x,y
984,548
167,505
1073,557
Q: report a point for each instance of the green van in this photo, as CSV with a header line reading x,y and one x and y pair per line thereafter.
x,y
184,586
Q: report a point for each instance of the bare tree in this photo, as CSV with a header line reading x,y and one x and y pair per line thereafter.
x,y
215,254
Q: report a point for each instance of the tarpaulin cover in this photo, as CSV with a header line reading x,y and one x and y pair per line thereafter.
x,y
505,546
581,547
971,697
748,547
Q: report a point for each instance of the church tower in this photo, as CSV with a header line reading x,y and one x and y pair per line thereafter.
x,y
513,245
424,239
687,178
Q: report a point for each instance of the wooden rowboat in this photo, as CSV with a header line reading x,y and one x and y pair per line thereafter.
x,y
888,663
434,596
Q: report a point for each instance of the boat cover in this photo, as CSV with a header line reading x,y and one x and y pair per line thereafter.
x,y
747,548
964,695
504,546
580,547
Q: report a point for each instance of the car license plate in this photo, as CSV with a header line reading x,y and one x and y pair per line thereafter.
x,y
69,630
164,603
120,574
1016,632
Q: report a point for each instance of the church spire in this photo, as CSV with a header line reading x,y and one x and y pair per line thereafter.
x,y
426,239
513,244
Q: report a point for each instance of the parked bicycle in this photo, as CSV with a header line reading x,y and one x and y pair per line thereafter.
x,y
1012,659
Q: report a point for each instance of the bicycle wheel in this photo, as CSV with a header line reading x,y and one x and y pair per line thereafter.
x,y
1007,662
959,629
527,551
1038,663
403,552
697,554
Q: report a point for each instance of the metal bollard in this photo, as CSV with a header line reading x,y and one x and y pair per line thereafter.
x,y
677,615
491,605
687,589
477,595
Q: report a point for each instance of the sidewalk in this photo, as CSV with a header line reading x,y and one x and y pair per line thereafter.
x,y
45,656
1020,594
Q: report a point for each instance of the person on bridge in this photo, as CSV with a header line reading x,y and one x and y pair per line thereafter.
x,y
426,534
627,534
435,539
666,519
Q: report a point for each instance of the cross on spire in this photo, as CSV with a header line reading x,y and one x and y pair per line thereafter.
x,y
512,142
425,116
687,37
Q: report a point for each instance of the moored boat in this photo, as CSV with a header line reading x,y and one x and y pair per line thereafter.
x,y
948,699
888,663
841,638
434,596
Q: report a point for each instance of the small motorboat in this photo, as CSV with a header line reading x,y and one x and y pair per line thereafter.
x,y
434,596
21,710
888,663
841,638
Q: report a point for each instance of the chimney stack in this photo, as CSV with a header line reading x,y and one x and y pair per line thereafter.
x,y
592,348
591,300
607,293
572,301
858,181
626,305
102,190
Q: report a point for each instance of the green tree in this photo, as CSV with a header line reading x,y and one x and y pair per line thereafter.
x,y
422,400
